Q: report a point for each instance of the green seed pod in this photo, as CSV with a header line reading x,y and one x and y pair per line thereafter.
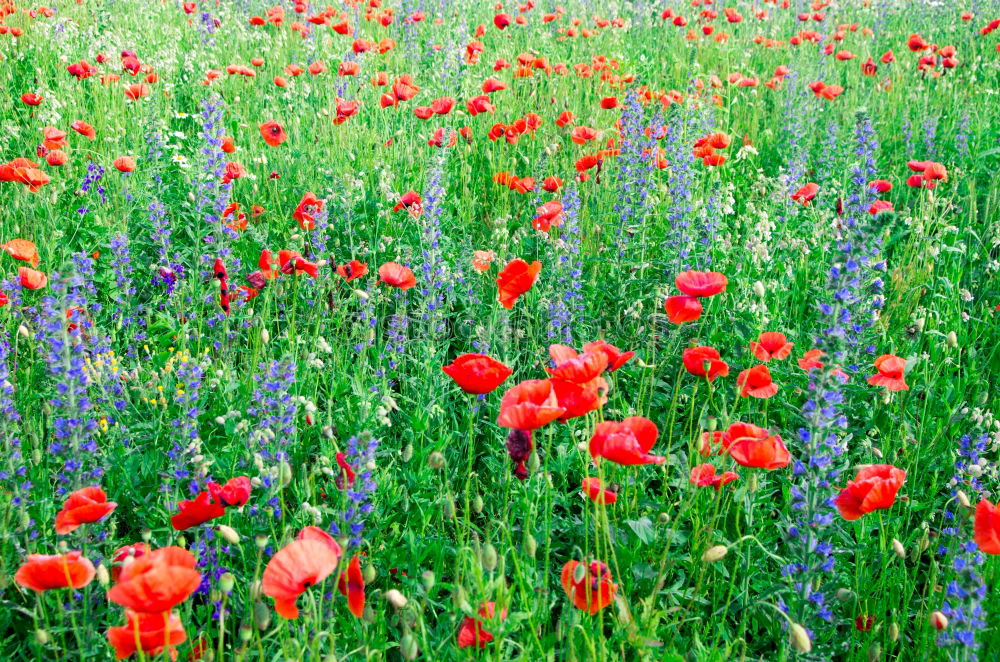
x,y
530,545
226,582
874,652
285,472
42,637
799,638
261,616
428,579
447,508
368,615
534,463
408,647
477,504
893,632
369,573
246,632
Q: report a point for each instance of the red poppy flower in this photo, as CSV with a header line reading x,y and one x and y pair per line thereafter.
x,y
149,633
410,201
200,510
352,586
548,215
987,528
471,633
31,99
396,275
756,383
156,582
682,309
576,399
704,475
477,373
810,360
530,405
755,452
771,345
596,491
84,129
273,133
305,212
352,270
42,573
234,494
874,488
589,586
704,362
23,250
31,279
890,373
83,507
880,185
300,564
700,283
125,555
581,368
616,357
627,443
516,278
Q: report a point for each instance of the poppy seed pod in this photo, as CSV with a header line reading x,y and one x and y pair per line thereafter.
x,y
261,616
799,638
226,582
714,553
246,632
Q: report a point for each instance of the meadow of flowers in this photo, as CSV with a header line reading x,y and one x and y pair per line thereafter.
x,y
658,330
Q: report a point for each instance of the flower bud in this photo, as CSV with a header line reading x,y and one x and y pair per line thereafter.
x,y
408,647
530,545
285,472
758,289
260,541
534,463
226,582
103,578
799,638
963,499
246,632
489,558
228,533
714,553
899,549
261,616
369,574
407,453
952,339
428,579
395,598
844,594
42,637
477,505
893,632
938,620
264,335
874,652
447,508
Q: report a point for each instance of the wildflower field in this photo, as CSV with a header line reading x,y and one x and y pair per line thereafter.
x,y
443,330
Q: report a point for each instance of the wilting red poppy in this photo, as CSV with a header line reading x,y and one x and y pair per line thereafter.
x,y
756,452
273,133
477,373
805,194
530,405
83,507
771,345
890,373
149,633
700,283
352,270
234,494
704,475
864,623
627,443
589,586
23,250
471,632
874,488
396,275
811,360
42,573
352,586
156,582
576,368
616,357
704,362
682,309
481,260
31,279
596,491
192,513
756,383
986,530
516,278
300,564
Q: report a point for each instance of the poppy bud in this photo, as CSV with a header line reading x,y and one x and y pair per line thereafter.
x,y
427,578
447,508
758,289
42,637
395,598
874,652
893,632
938,620
800,638
146,535
844,595
663,518
477,504
489,558
22,331
436,460
714,553
952,339
181,541
459,600
530,545
407,453
264,336
408,647
877,452
963,499
369,574
246,632
898,548
261,616
103,578
533,462
285,471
